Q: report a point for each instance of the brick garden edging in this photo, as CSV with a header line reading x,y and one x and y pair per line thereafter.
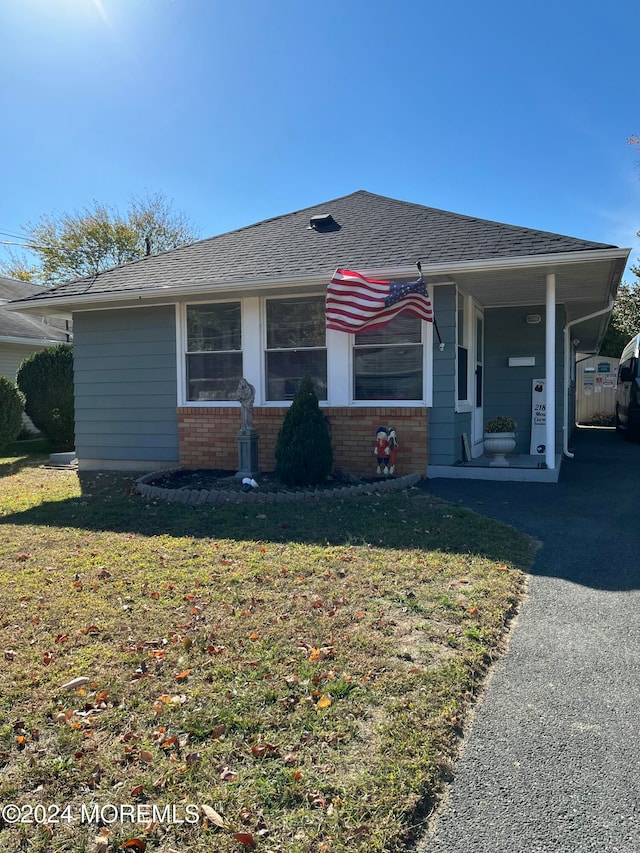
x,y
222,496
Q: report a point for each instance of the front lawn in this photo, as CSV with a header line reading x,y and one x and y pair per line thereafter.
x,y
286,677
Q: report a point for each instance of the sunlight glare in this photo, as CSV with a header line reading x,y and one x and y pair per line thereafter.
x,y
101,11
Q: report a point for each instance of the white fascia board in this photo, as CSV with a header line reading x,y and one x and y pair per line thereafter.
x,y
442,269
166,291
549,262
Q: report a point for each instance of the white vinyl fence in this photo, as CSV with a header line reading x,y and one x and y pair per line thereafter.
x,y
596,388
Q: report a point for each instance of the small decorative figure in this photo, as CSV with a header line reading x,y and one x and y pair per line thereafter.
x,y
393,449
382,450
386,450
245,394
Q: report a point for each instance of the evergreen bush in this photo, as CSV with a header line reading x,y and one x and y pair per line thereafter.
x,y
304,456
46,380
11,408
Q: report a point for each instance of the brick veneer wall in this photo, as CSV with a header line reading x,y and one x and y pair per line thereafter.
x,y
207,437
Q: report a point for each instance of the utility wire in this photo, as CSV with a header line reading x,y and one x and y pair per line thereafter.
x,y
23,245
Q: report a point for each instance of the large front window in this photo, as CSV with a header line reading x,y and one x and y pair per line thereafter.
x,y
214,351
296,345
388,362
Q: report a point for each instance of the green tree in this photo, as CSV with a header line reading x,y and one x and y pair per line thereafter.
x,y
11,408
74,245
46,380
304,456
625,319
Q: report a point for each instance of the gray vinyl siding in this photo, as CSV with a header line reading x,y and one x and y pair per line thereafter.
x,y
446,426
12,356
508,389
126,385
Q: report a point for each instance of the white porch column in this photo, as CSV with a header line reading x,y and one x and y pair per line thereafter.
x,y
550,367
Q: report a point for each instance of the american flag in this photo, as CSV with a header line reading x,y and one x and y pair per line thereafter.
x,y
358,304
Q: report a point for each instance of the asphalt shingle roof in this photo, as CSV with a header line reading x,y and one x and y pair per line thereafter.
x,y
373,231
17,325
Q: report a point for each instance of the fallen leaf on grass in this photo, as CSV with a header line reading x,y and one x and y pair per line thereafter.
x,y
182,676
245,838
212,816
101,841
324,701
135,844
228,775
263,749
80,681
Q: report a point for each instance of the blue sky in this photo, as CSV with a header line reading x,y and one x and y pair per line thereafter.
x,y
239,111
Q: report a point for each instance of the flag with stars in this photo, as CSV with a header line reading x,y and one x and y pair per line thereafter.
x,y
357,304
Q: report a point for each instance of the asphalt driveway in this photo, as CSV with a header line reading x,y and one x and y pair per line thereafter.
x,y
551,761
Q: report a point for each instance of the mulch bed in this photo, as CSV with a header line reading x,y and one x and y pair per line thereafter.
x,y
221,480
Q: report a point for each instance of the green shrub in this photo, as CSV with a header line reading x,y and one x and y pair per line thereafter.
x,y
11,408
46,380
304,456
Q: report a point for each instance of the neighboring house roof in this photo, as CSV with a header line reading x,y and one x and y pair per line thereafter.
x,y
25,327
368,232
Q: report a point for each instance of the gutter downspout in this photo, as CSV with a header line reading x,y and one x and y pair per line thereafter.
x,y
567,368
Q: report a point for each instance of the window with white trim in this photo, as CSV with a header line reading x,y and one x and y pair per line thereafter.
x,y
462,351
214,351
296,346
388,363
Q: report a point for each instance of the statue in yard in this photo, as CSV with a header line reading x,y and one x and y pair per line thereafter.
x,y
245,395
386,450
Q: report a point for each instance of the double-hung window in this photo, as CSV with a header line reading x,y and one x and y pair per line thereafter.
x,y
214,351
296,346
388,363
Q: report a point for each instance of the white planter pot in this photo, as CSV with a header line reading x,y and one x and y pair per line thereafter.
x,y
498,444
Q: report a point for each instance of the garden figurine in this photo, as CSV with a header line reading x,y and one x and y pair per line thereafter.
x,y
393,449
245,394
382,450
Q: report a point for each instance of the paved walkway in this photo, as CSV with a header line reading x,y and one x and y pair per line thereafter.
x,y
552,759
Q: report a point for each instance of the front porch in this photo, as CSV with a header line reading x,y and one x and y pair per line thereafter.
x,y
522,468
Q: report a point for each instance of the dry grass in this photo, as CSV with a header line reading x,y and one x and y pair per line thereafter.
x,y
299,673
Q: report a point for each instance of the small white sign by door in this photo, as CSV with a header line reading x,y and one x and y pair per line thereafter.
x,y
538,418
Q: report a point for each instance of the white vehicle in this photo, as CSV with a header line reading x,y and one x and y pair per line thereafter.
x,y
628,389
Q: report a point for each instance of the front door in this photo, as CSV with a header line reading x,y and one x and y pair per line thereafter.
x,y
478,385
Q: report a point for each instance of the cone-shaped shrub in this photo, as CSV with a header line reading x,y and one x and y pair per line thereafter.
x,y
304,456
46,380
11,407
